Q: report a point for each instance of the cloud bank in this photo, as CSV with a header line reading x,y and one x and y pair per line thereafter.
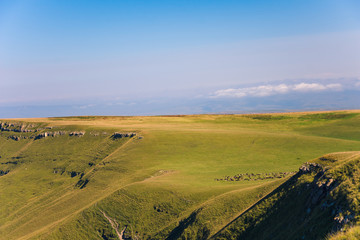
x,y
269,90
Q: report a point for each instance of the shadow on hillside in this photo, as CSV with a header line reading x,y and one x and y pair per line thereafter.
x,y
297,209
292,180
183,224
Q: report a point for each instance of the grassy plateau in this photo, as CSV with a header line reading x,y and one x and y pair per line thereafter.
x,y
181,177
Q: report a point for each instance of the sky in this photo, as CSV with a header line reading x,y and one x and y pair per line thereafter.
x,y
167,57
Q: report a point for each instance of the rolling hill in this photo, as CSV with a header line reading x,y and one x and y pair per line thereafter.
x,y
179,177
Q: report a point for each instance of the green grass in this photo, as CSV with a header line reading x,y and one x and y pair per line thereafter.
x,y
301,209
162,185
350,234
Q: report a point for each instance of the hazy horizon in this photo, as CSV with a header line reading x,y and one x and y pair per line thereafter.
x,y
170,57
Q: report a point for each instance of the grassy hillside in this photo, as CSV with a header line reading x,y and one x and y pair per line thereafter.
x,y
322,198
350,234
178,177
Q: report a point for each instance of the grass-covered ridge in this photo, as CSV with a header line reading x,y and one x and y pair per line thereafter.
x,y
160,183
321,199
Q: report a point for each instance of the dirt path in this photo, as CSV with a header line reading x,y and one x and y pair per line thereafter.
x,y
26,146
65,218
122,232
91,171
115,226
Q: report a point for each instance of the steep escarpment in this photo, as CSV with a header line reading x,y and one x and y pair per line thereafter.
x,y
322,198
46,170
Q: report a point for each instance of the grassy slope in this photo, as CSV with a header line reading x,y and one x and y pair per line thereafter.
x,y
162,185
308,206
351,234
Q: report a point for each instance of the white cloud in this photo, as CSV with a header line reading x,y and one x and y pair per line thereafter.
x,y
269,90
85,106
307,87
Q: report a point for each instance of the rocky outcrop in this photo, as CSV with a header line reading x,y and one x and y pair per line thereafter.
x,y
16,127
41,135
72,174
82,183
323,196
342,219
77,134
321,189
49,134
318,200
309,168
4,172
42,132
19,137
11,162
56,133
59,133
16,138
118,135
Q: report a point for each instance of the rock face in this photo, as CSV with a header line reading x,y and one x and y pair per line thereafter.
x,y
42,132
41,135
118,135
16,138
324,193
322,184
321,189
19,137
49,134
309,167
15,127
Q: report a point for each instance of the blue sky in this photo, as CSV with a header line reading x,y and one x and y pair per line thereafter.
x,y
96,53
